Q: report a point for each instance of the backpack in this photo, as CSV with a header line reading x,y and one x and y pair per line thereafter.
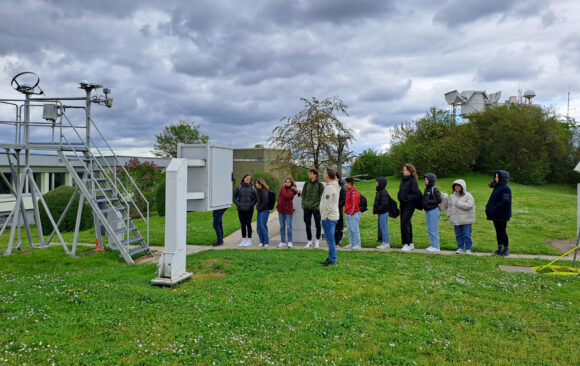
x,y
363,203
271,200
444,199
393,209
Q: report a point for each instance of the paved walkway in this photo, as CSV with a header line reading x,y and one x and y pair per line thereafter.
x,y
232,241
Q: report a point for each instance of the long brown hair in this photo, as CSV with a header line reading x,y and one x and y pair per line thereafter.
x,y
244,177
262,183
292,182
412,170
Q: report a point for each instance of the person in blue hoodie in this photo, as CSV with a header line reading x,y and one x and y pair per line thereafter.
x,y
499,210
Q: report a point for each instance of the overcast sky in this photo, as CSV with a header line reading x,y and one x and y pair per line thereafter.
x,y
238,67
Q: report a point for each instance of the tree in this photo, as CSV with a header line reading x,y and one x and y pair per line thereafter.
x,y
314,136
372,164
184,132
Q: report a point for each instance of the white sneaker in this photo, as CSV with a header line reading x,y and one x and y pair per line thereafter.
x,y
309,244
260,245
356,248
468,251
248,242
432,249
411,246
459,251
242,243
349,246
265,245
384,246
282,245
405,248
317,244
289,244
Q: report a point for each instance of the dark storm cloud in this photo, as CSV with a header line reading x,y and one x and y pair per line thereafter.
x,y
460,12
238,67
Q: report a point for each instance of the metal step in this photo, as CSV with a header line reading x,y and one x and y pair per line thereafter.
x,y
119,219
94,179
112,209
134,251
103,189
111,199
132,240
126,230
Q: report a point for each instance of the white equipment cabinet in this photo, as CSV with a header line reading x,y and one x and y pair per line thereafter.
x,y
199,180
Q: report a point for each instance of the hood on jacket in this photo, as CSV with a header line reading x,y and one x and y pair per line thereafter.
x,y
504,177
432,179
382,183
461,183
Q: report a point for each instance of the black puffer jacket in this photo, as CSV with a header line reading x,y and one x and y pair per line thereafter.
x,y
381,205
245,197
342,197
431,196
409,192
262,204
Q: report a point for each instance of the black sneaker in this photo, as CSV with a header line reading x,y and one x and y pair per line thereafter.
x,y
325,262
328,264
217,244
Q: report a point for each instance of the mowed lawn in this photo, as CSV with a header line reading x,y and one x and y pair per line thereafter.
x,y
539,213
260,307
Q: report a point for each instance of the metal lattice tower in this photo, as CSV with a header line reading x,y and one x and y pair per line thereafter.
x,y
80,147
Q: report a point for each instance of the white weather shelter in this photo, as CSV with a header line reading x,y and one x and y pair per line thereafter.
x,y
200,179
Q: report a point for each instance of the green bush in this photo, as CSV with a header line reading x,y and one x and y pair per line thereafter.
x,y
299,174
56,200
271,181
372,164
160,198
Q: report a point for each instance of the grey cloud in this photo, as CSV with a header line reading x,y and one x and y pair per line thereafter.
x,y
509,65
457,13
386,93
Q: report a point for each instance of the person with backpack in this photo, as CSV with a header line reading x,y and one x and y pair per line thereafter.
x,y
263,211
431,200
499,210
353,214
339,231
461,213
245,197
329,213
410,198
381,208
286,211
311,193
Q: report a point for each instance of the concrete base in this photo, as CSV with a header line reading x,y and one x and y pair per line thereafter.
x,y
160,281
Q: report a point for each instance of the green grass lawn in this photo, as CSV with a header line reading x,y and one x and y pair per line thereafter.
x,y
259,307
539,213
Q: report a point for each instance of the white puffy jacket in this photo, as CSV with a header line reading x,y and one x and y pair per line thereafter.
x,y
461,206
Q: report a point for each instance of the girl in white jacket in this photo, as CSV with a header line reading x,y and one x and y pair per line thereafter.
x,y
461,212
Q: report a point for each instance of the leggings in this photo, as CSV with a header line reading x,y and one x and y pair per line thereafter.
x,y
501,233
246,222
406,228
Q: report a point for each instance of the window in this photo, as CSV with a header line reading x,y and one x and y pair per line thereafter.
x,y
3,187
56,180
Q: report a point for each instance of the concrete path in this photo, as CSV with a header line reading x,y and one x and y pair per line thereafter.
x,y
232,241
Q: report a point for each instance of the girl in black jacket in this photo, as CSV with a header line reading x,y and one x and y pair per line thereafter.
x,y
245,197
381,208
409,195
499,210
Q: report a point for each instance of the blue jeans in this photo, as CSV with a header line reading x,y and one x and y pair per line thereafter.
x,y
384,227
329,226
432,219
262,225
352,223
218,225
285,226
463,236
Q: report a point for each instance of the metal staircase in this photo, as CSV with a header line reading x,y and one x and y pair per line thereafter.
x,y
111,200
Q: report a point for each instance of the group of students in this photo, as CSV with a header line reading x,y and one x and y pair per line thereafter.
x,y
329,203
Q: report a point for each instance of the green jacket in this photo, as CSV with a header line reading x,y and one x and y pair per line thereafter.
x,y
311,193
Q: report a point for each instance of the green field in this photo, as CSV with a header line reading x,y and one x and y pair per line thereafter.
x,y
539,213
260,307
